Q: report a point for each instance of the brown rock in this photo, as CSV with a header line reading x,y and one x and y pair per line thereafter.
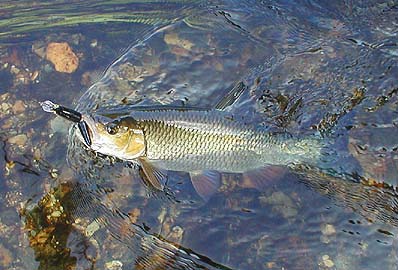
x,y
37,154
18,107
8,123
62,56
174,39
19,139
5,256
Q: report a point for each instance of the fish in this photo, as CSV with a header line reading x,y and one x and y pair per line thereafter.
x,y
203,142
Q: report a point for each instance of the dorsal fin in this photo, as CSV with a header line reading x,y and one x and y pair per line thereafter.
x,y
125,110
228,100
231,97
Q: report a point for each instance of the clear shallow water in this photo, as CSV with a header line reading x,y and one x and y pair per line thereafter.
x,y
306,65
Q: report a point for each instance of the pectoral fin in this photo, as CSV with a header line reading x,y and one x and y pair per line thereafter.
x,y
262,177
206,183
152,175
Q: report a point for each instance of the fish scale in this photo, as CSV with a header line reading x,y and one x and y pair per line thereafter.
x,y
212,140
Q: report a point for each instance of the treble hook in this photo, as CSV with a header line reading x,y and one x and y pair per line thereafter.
x,y
69,114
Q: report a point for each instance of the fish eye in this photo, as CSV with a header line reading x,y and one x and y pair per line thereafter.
x,y
112,128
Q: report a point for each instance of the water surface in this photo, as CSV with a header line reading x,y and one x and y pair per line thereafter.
x,y
310,67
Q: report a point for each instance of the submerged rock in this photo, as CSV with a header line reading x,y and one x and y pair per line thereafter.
x,y
5,256
18,107
326,262
19,139
62,56
328,230
114,265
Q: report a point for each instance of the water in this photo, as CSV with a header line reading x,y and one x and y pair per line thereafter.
x,y
309,66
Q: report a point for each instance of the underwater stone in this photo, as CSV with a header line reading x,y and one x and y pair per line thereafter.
x,y
114,265
19,139
18,107
328,229
62,56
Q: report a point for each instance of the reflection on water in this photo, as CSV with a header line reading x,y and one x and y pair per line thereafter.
x,y
310,67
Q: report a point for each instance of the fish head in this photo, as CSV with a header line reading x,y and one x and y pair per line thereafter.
x,y
120,137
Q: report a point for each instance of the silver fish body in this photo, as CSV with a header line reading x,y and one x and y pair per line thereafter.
x,y
215,140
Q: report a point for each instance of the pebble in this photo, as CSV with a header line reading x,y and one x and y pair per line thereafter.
x,y
327,261
22,79
8,123
37,154
94,43
364,246
9,166
14,70
34,75
91,228
328,233
270,264
4,97
18,107
4,107
53,173
328,230
19,139
56,214
114,265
